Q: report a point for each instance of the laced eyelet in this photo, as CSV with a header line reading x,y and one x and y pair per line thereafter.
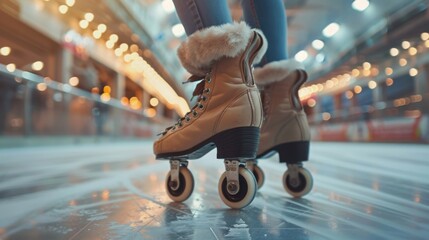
x,y
209,80
201,106
188,119
194,113
207,90
204,98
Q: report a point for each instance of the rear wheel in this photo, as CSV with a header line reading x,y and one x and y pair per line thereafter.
x,y
298,186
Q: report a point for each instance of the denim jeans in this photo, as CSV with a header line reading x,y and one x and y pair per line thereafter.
x,y
267,15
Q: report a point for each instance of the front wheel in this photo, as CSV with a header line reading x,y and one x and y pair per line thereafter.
x,y
186,185
298,187
244,196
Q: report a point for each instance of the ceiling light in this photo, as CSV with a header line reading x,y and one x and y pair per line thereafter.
x,y
372,84
118,52
113,38
424,36
70,3
41,87
366,65
301,56
63,9
311,102
11,67
168,6
83,24
406,44
412,51
413,72
360,5
178,30
110,44
134,48
96,34
394,52
331,29
89,17
74,81
389,71
124,47
5,51
37,66
102,27
154,102
357,89
318,44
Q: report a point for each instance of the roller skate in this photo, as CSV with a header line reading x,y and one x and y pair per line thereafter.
x,y
228,114
285,128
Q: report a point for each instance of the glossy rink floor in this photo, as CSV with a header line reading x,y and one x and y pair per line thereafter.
x,y
116,191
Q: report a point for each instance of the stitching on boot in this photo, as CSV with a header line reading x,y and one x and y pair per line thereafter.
x,y
232,101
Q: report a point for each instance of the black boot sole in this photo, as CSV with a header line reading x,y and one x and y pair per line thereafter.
x,y
236,143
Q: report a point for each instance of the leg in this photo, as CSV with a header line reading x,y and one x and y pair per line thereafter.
x,y
285,129
270,17
198,14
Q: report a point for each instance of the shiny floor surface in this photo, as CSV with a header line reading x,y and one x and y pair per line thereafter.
x,y
116,191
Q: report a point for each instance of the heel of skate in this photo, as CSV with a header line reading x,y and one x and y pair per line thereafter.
x,y
240,143
293,152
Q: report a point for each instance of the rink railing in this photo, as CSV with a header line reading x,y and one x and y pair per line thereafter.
x,y
33,106
404,119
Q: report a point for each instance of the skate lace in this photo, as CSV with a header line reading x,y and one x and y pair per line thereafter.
x,y
200,91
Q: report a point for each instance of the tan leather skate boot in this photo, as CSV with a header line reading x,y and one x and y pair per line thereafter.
x,y
285,129
228,114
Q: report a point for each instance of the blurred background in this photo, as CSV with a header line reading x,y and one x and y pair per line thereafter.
x,y
84,71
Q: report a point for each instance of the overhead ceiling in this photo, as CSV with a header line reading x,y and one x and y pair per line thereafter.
x,y
307,19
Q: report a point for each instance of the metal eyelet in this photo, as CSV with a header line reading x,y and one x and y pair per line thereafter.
x,y
194,113
201,106
188,119
204,98
207,90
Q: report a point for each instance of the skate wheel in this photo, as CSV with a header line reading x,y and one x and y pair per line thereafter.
x,y
259,176
305,183
245,195
185,188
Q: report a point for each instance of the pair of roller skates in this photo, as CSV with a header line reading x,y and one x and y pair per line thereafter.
x,y
229,116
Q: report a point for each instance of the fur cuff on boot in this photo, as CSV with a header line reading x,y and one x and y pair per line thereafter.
x,y
204,47
275,71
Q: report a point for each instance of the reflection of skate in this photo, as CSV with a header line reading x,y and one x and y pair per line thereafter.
x,y
285,128
228,114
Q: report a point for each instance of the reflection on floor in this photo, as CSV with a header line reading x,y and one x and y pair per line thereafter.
x,y
116,191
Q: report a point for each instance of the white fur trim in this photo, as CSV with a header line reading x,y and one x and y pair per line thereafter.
x,y
275,71
204,47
